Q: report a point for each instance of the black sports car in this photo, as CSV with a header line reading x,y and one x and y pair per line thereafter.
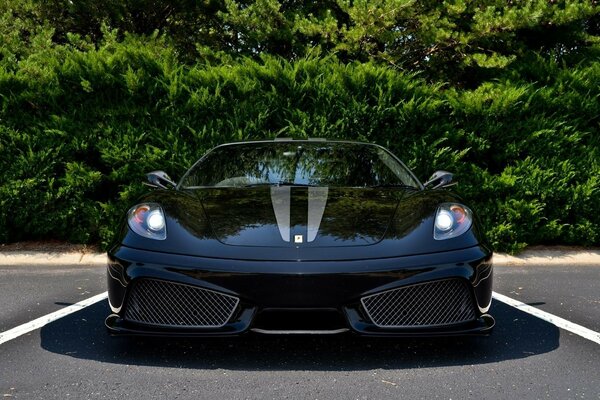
x,y
300,236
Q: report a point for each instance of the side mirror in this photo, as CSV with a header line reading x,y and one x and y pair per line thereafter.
x,y
159,179
440,179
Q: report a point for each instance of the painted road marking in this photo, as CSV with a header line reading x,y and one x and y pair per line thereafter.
x,y
553,319
46,319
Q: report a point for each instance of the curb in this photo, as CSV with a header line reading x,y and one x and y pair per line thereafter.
x,y
54,258
528,257
549,257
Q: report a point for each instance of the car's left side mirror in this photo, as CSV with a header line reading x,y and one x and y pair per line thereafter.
x,y
440,179
159,179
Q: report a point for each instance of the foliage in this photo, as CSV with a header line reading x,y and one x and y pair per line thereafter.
x,y
80,125
459,41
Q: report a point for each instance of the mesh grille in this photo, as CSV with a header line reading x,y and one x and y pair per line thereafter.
x,y
436,303
171,304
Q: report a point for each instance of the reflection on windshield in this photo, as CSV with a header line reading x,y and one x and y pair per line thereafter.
x,y
335,164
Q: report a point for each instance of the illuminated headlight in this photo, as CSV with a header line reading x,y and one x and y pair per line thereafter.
x,y
444,221
148,220
451,220
155,220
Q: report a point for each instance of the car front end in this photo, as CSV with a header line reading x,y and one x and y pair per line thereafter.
x,y
239,256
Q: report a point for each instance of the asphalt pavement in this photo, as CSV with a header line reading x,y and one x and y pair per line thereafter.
x,y
525,357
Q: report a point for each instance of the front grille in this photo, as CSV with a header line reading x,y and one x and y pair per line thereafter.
x,y
170,304
437,303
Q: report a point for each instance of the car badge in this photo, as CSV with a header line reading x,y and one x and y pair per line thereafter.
x,y
298,239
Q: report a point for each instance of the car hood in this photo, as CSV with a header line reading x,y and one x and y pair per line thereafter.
x,y
284,216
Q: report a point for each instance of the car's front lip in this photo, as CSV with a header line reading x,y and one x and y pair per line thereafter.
x,y
482,326
332,284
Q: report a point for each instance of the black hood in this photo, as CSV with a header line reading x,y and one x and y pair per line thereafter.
x,y
284,216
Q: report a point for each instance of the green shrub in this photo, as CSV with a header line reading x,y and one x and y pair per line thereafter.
x,y
80,127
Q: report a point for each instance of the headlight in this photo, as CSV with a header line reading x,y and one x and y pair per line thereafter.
x,y
148,220
451,220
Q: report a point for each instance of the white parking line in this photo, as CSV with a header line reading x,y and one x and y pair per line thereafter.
x,y
46,319
553,319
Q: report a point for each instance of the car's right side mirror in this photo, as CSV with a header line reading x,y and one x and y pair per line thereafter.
x,y
440,179
159,179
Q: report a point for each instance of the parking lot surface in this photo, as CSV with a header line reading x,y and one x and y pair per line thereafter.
x,y
525,357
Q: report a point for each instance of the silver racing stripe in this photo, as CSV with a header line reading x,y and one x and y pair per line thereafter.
x,y
317,200
281,197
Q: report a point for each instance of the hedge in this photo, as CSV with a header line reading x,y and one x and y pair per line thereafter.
x,y
79,127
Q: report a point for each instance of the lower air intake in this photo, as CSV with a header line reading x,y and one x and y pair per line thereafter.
x,y
437,303
169,304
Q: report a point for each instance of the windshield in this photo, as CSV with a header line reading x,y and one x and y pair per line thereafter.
x,y
298,163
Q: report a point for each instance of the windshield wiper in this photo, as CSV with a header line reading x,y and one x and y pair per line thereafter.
x,y
393,185
258,184
282,183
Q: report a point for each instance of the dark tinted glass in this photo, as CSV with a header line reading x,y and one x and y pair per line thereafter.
x,y
299,163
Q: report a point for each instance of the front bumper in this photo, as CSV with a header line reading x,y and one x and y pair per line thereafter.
x,y
300,290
